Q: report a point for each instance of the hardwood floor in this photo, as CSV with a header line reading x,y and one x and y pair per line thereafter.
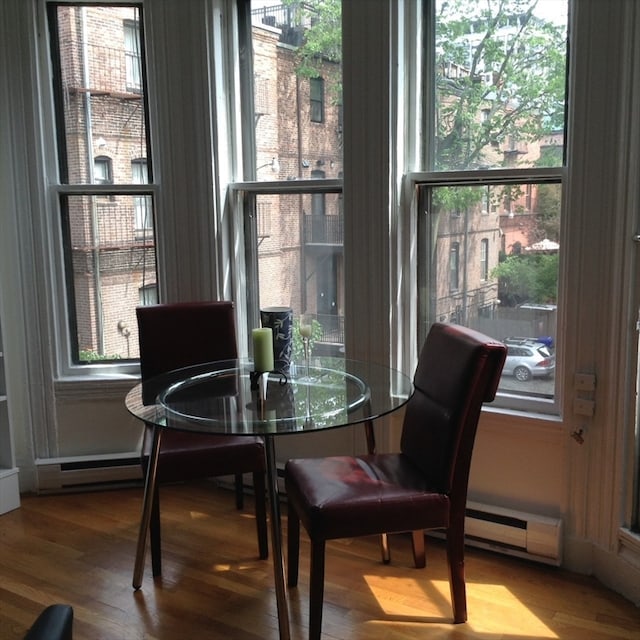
x,y
79,549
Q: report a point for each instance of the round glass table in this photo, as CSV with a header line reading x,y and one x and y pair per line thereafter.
x,y
229,398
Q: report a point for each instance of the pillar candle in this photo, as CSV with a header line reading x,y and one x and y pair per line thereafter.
x,y
263,349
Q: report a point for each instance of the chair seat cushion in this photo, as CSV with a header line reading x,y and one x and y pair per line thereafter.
x,y
343,496
185,456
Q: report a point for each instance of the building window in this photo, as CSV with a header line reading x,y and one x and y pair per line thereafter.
x,y
132,57
484,259
106,264
148,295
318,200
316,91
142,204
102,172
454,266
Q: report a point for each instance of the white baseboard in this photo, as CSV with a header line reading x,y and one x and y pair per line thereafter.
x,y
9,490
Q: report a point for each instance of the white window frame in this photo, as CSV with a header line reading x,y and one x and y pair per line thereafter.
x,y
68,372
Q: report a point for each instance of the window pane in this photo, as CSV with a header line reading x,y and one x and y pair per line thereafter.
x,y
489,241
109,245
110,270
500,83
300,261
133,58
316,88
102,171
143,204
100,90
297,89
496,272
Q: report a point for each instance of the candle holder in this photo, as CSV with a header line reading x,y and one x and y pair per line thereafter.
x,y
254,378
280,320
259,381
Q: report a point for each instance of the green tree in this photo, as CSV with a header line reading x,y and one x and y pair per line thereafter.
x,y
322,22
527,278
500,82
522,55
509,81
548,220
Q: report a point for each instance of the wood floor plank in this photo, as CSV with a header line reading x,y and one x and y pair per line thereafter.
x,y
79,548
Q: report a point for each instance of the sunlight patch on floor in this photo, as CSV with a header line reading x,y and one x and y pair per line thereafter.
x,y
198,515
238,566
430,601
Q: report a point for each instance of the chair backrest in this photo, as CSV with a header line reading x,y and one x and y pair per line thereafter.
x,y
172,336
458,370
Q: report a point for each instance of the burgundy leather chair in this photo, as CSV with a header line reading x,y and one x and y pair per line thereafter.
x,y
173,336
424,486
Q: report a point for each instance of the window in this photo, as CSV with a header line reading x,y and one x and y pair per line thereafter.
x,y
454,267
106,259
102,170
492,196
132,57
294,228
317,199
148,295
142,204
316,91
484,259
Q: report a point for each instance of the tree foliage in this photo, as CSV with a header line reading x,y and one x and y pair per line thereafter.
x,y
528,278
499,85
510,80
500,77
548,219
322,21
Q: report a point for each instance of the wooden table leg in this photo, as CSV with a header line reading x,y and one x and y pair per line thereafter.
x,y
147,505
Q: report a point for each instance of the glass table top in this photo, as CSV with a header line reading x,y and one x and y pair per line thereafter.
x,y
222,397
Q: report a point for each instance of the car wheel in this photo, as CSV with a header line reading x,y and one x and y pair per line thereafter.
x,y
522,373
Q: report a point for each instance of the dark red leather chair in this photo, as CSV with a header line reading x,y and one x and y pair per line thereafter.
x,y
422,487
173,336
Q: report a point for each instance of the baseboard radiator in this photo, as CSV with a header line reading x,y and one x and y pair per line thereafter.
x,y
515,533
507,531
55,475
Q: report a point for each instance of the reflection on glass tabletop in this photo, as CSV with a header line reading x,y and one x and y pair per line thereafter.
x,y
223,397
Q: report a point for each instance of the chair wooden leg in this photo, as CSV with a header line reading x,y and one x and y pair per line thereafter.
x,y
417,542
455,558
260,489
316,589
154,534
293,547
239,486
